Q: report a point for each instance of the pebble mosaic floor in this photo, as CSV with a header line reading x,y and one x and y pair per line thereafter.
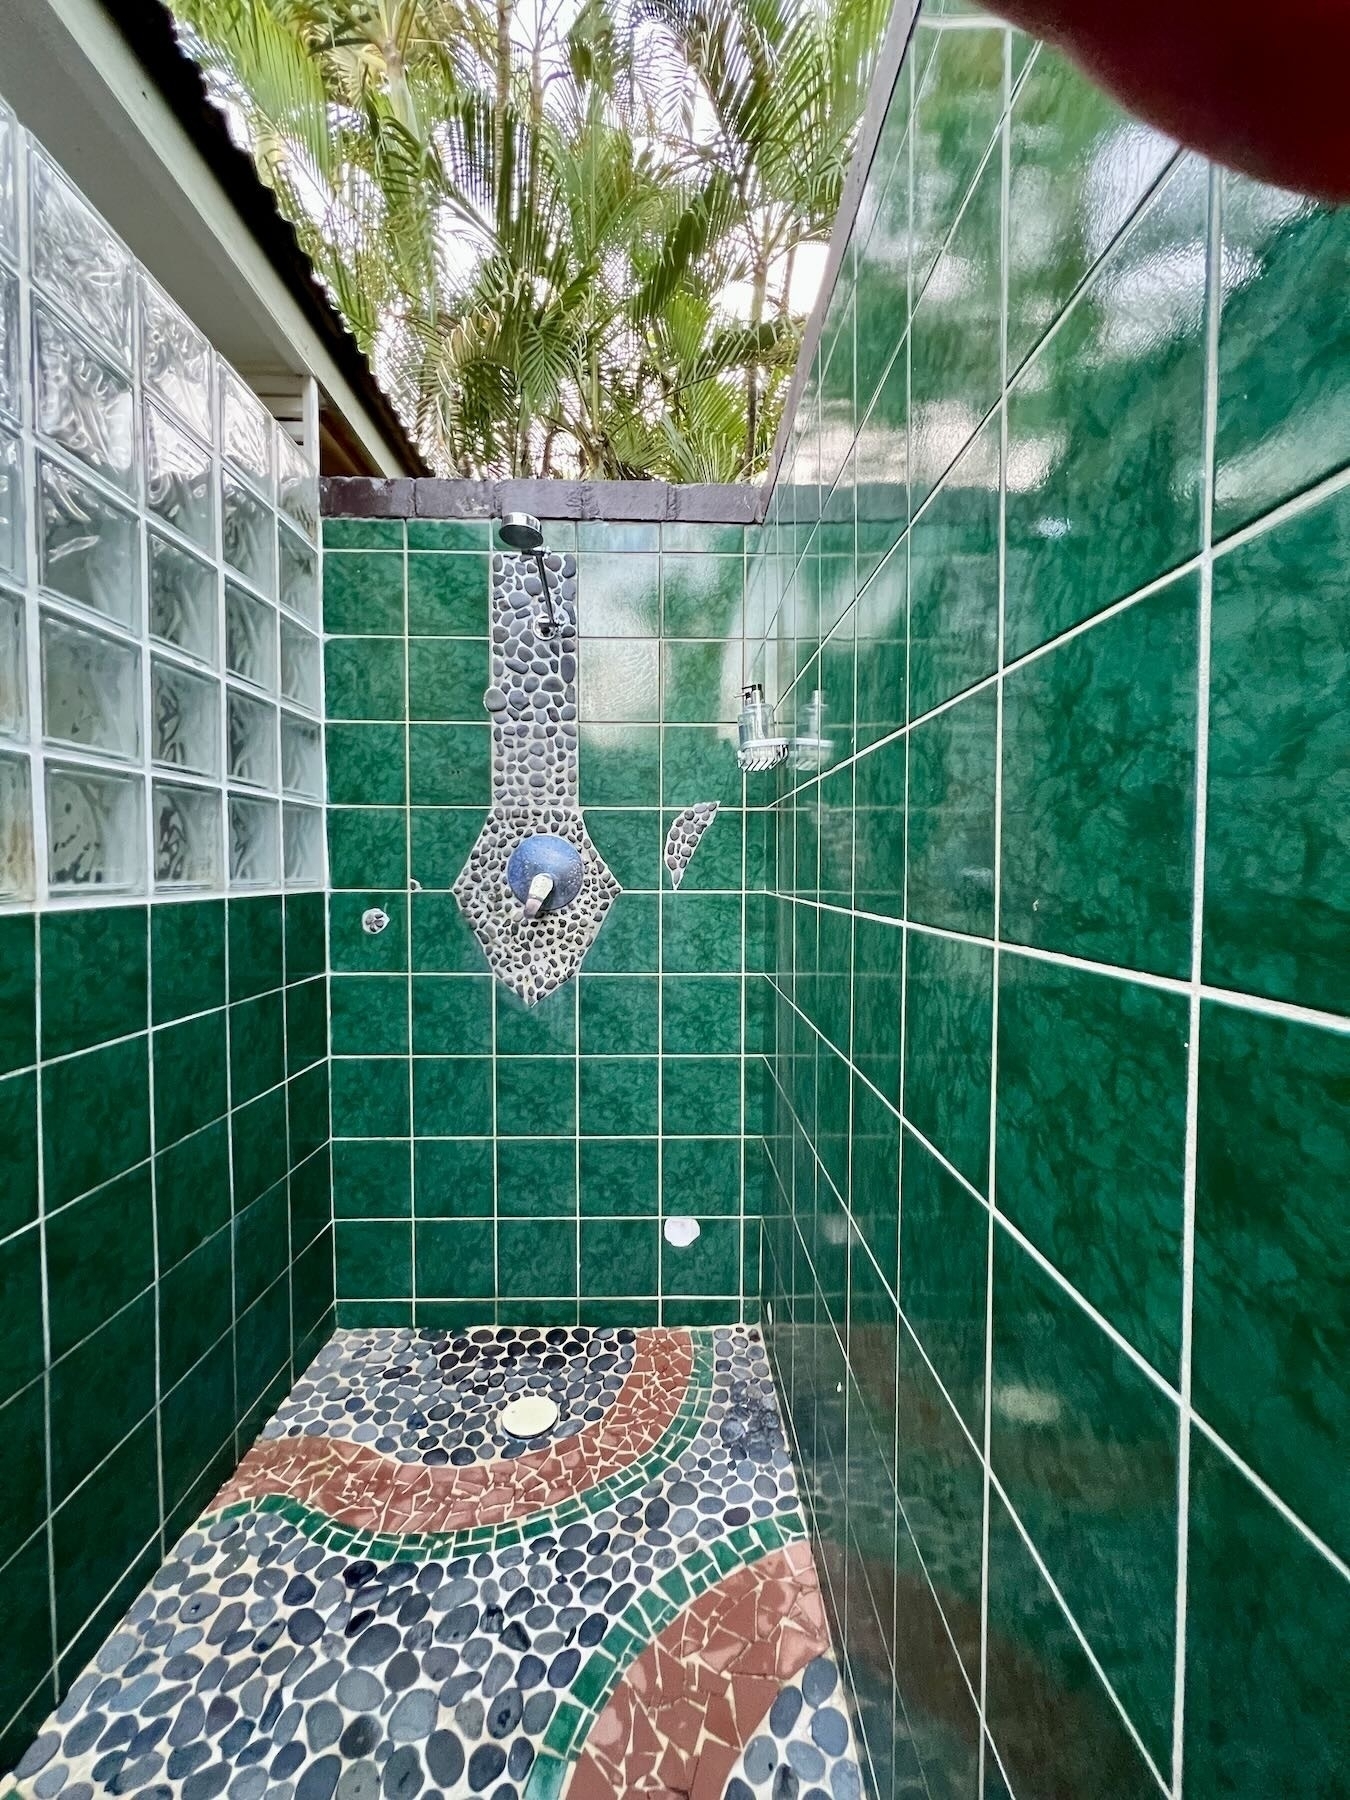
x,y
393,1600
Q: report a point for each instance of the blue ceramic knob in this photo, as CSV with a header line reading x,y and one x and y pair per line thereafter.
x,y
539,859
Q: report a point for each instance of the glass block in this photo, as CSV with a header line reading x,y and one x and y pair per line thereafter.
x,y
248,533
252,740
83,400
182,598
13,667
77,259
16,829
178,482
250,637
175,359
10,371
301,757
95,830
88,545
9,208
184,718
187,835
91,689
297,485
246,429
253,842
302,833
11,504
299,575
301,666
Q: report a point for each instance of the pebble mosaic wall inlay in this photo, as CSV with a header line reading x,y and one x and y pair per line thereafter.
x,y
684,835
533,707
659,1631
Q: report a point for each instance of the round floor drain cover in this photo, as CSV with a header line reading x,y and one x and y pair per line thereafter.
x,y
529,1416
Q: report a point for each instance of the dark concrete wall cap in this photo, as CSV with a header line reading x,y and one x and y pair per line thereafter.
x,y
618,502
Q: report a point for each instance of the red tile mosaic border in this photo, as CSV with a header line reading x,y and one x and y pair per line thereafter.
x,y
677,1723
368,1491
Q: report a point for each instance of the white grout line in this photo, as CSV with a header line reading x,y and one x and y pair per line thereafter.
x,y
1213,276
992,1176
408,899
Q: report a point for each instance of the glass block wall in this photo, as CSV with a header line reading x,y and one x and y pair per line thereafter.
x,y
165,1206
491,1161
1055,1258
152,516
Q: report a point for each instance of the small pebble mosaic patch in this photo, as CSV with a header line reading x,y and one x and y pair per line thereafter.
x,y
657,1631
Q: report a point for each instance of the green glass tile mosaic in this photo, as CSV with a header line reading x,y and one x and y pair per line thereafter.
x,y
547,1029
367,847
537,1259
192,1191
1124,475
1277,869
255,945
943,1284
364,678
949,817
373,1259
1270,1328
1283,353
619,1015
1263,1701
447,595
367,764
619,682
452,1095
363,534
369,1015
187,947
21,1320
619,1096
19,1134
192,1067
948,1048
95,1117
954,580
619,1256
1059,219
954,345
1095,1484
363,592
448,765
439,841
619,1176
455,1257
536,1178
447,678
18,1014
701,933
1098,789
1091,1140
1048,1710
94,964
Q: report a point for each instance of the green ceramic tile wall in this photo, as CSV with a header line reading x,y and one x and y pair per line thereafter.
x,y
1053,1003
166,1256
491,1161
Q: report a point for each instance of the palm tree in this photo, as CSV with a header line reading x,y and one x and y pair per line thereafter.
x,y
533,230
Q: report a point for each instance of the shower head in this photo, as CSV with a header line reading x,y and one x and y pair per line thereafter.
x,y
522,533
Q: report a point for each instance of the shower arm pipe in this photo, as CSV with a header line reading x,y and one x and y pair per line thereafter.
x,y
548,591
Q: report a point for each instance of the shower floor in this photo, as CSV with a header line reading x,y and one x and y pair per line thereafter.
x,y
393,1598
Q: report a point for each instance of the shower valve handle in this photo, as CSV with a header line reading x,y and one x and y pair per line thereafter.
x,y
540,888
